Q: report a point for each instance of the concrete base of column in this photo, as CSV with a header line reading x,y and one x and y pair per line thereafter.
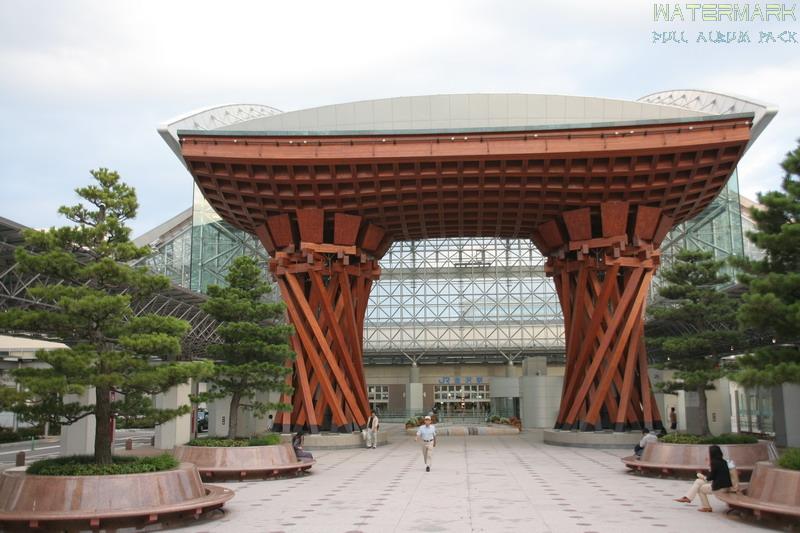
x,y
178,430
78,438
414,400
583,439
539,398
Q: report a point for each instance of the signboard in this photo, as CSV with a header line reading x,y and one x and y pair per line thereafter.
x,y
463,380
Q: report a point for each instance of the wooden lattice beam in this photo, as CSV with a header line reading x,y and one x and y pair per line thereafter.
x,y
325,287
602,280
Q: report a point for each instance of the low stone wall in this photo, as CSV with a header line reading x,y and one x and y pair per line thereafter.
x,y
591,439
695,456
37,500
463,431
772,490
686,459
329,441
242,461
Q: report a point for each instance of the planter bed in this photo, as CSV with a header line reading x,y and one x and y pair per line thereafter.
x,y
68,502
772,491
241,462
681,460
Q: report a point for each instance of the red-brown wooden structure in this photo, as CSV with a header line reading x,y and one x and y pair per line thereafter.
x,y
597,201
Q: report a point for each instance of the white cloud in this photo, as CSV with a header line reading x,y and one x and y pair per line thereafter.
x,y
91,79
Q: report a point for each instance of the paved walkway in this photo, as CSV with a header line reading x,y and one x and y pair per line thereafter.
x,y
478,483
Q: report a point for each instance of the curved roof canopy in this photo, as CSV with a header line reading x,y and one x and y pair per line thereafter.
x,y
470,165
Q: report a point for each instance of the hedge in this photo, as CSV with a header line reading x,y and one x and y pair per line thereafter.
x,y
265,440
84,465
725,438
7,435
790,459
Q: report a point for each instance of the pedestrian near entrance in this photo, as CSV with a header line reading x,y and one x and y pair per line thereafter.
x,y
673,419
373,424
427,434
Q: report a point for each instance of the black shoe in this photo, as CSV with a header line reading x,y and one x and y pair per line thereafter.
x,y
427,469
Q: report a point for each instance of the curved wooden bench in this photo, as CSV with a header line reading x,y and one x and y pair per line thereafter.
x,y
69,502
687,459
244,461
772,491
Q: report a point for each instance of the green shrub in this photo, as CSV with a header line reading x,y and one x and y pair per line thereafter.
x,y
790,459
7,435
135,423
680,438
264,440
725,438
84,465
731,438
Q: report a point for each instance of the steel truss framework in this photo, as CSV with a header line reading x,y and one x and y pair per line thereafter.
x,y
176,301
478,300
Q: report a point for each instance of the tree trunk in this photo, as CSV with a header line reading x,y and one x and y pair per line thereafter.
x,y
102,434
233,418
702,410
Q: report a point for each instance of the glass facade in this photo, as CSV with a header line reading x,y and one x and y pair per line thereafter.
x,y
215,244
173,258
717,229
753,410
444,300
461,399
378,396
469,297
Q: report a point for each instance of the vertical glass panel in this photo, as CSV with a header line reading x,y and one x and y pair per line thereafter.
x,y
215,244
718,229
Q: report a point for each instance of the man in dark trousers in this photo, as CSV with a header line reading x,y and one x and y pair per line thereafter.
x,y
373,423
673,419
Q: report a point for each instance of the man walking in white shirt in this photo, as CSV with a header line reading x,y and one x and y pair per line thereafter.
x,y
427,434
373,423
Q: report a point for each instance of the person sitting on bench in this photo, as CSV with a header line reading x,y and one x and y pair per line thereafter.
x,y
647,438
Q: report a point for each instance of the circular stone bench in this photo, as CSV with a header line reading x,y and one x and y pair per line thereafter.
x,y
772,491
687,459
68,502
240,462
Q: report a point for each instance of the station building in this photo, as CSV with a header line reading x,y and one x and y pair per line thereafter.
x,y
463,325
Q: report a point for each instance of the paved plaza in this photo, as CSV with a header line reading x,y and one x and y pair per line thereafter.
x,y
477,483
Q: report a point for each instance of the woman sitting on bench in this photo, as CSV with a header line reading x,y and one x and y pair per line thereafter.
x,y
719,478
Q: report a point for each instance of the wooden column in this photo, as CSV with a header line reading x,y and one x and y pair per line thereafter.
x,y
603,263
325,287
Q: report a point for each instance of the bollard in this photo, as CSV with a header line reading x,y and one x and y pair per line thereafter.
x,y
21,458
128,444
33,443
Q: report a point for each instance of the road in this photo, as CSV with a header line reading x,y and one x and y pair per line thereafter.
x,y
45,448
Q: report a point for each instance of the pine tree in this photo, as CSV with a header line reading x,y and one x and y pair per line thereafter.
x,y
693,326
772,304
88,294
254,351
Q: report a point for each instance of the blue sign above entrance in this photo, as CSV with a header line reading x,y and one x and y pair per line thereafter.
x,y
462,380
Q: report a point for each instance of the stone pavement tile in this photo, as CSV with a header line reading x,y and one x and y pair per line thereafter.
x,y
477,484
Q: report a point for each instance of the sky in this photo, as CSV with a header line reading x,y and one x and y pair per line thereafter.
x,y
85,84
